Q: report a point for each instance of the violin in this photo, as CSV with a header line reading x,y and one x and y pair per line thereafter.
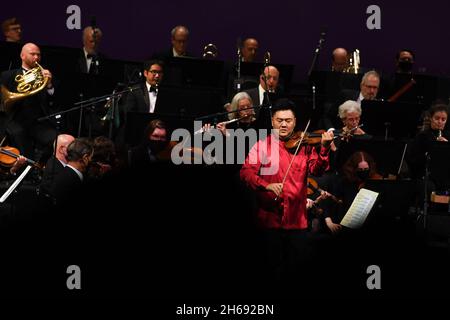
x,y
9,156
313,187
315,137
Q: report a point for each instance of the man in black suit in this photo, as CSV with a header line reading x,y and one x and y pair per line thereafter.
x,y
145,98
69,181
266,93
268,83
56,163
179,39
90,60
21,125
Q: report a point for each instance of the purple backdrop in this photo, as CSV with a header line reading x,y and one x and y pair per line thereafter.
x,y
288,29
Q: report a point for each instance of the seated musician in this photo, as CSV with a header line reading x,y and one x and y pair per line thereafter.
x,y
433,130
369,87
153,144
358,168
242,114
350,115
145,99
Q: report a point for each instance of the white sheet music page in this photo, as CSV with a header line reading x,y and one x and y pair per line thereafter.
x,y
360,208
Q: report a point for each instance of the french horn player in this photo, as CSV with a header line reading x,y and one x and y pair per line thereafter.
x,y
27,95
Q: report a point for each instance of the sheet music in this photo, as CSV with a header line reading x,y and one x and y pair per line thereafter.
x,y
15,184
360,208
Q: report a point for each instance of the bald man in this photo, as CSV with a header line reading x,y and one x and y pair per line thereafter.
x,y
56,162
23,129
249,50
268,81
339,60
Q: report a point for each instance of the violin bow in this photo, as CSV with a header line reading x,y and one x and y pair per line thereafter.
x,y
293,158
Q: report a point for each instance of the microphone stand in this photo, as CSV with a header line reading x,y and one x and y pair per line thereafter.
x,y
317,52
87,103
314,65
266,93
238,67
425,200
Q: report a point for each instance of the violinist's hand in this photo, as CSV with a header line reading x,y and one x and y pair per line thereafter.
x,y
327,138
309,203
442,139
334,227
20,162
276,188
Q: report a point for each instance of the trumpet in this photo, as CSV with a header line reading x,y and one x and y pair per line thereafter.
x,y
354,63
28,84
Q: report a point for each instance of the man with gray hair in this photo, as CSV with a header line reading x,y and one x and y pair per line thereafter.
x,y
350,115
369,87
90,59
179,37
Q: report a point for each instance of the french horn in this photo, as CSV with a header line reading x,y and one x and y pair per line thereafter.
x,y
28,84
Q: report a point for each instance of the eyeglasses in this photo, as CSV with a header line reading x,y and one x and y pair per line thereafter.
x,y
155,72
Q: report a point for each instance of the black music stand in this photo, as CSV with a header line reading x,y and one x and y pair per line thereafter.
x,y
189,102
391,119
330,83
194,72
439,166
395,197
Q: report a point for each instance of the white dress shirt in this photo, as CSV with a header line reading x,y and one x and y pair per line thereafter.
x,y
152,98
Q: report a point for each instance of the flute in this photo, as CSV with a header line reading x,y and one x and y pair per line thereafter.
x,y
202,129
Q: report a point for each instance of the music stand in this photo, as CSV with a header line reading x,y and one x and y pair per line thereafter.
x,y
391,119
395,196
194,72
188,102
439,165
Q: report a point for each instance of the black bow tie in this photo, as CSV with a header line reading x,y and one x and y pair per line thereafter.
x,y
90,56
152,89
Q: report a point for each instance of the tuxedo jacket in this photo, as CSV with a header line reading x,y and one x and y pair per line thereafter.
x,y
82,64
66,185
138,100
52,169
